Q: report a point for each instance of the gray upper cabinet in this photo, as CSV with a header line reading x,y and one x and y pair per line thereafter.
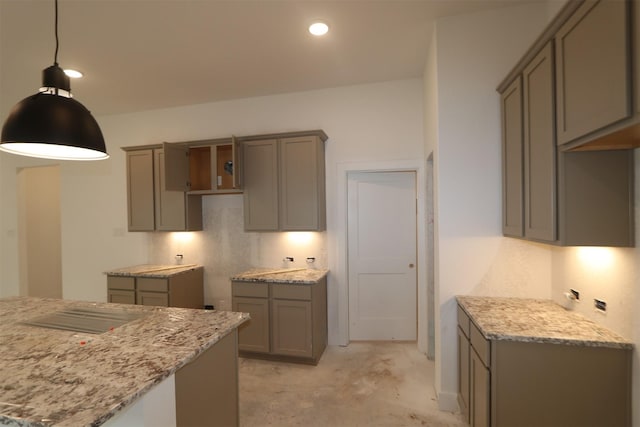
x,y
512,166
140,190
593,69
150,206
302,184
204,167
261,185
572,196
539,148
596,71
175,165
596,204
529,152
175,210
284,184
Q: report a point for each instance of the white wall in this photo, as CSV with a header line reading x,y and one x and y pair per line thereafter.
x,y
473,53
365,123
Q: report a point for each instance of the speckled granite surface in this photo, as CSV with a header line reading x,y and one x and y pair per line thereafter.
x,y
150,270
294,276
64,378
533,320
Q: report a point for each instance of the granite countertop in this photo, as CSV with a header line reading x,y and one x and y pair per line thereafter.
x,y
65,378
151,270
299,276
534,320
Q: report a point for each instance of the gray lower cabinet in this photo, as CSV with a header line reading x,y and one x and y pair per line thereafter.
x,y
464,364
292,328
288,321
207,388
255,333
507,383
185,290
121,290
284,183
150,206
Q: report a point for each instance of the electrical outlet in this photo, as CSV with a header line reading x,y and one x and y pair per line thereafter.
x,y
600,305
576,294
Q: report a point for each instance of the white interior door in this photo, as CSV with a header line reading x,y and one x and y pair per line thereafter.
x,y
382,255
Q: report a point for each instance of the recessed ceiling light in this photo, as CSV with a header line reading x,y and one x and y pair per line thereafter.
x,y
74,74
318,28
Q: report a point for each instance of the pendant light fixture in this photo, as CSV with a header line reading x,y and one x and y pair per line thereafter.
x,y
51,124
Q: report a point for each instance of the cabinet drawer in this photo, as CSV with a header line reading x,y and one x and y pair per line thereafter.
x,y
121,296
147,284
152,298
121,282
250,289
481,345
463,321
299,292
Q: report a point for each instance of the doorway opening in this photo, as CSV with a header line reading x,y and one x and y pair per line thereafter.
x,y
39,232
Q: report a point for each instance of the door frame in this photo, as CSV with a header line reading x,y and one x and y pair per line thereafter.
x,y
341,247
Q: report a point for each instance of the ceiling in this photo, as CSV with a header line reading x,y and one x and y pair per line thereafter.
x,y
148,54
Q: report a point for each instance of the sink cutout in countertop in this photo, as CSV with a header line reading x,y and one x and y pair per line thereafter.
x,y
87,320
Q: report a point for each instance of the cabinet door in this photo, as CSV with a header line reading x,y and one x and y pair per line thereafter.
x,y
174,210
261,185
175,167
540,148
463,374
170,205
291,330
140,194
480,397
254,334
512,175
238,162
302,188
121,297
152,298
593,69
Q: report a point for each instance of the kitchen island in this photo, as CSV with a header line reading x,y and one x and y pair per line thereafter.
x,y
530,362
50,376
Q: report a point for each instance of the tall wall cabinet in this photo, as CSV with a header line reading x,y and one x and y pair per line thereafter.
x,y
284,183
561,193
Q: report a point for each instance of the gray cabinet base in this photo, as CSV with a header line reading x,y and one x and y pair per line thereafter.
x,y
279,358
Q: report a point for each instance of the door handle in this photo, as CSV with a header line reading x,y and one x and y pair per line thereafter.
x,y
411,265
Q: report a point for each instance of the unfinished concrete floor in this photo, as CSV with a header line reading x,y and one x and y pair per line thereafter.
x,y
364,384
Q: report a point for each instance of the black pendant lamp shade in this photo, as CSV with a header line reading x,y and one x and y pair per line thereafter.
x,y
51,124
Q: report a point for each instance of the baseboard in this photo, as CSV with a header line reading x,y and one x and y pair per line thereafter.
x,y
448,402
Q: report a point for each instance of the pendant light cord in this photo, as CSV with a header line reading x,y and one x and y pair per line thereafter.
x,y
55,57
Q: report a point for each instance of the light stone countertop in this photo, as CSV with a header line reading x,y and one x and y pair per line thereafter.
x,y
151,270
290,276
535,320
64,378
